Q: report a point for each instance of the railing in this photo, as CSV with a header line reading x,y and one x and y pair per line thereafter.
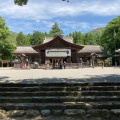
x,y
81,65
4,62
68,66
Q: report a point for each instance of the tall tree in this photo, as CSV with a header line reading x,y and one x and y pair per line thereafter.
x,y
55,30
89,39
37,38
20,39
27,39
77,37
111,35
6,46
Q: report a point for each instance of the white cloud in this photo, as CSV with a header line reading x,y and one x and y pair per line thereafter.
x,y
44,9
42,14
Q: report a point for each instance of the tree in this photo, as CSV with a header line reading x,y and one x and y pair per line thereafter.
x,y
111,36
27,39
20,2
20,39
55,30
4,31
24,2
7,46
8,49
89,39
77,37
37,38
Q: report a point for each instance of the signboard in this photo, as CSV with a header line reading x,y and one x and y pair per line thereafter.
x,y
58,52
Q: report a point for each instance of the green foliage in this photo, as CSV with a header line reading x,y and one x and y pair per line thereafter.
x,y
20,2
77,37
24,2
7,44
98,31
111,36
27,39
97,35
20,39
107,62
37,38
55,30
89,39
4,32
8,49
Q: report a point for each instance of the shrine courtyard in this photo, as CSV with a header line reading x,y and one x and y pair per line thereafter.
x,y
107,74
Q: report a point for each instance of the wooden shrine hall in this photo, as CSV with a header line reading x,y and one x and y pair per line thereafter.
x,y
57,49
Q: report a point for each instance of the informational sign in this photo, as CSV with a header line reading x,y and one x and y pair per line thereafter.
x,y
58,52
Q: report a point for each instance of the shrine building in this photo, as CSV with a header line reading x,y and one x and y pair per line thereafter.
x,y
57,49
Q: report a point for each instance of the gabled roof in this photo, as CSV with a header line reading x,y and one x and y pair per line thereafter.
x,y
25,50
58,38
91,49
68,39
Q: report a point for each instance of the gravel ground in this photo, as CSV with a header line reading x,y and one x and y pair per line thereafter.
x,y
107,74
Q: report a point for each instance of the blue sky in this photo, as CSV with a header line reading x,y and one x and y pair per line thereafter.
x,y
76,15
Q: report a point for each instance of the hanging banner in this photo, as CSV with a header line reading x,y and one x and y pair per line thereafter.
x,y
58,52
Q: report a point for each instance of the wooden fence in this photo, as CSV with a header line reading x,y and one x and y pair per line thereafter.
x,y
4,62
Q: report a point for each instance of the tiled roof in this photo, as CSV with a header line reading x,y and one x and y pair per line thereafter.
x,y
25,50
104,54
91,49
68,39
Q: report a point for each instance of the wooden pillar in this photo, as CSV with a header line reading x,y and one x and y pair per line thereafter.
x,y
2,63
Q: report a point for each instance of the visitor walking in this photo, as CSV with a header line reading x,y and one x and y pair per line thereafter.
x,y
64,65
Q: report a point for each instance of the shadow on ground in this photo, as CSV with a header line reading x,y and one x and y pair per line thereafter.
x,y
91,78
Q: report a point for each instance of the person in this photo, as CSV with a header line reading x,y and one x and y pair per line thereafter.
x,y
22,65
102,63
61,63
64,65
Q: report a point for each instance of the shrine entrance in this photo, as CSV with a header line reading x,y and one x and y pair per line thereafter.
x,y
57,57
57,63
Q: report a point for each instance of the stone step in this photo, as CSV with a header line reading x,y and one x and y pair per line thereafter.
x,y
42,84
54,99
62,93
74,88
64,105
60,84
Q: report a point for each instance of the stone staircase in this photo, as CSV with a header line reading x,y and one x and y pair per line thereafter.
x,y
61,96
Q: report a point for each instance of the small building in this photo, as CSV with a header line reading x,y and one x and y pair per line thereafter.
x,y
24,54
88,50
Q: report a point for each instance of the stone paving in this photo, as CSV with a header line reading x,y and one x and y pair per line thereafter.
x,y
111,74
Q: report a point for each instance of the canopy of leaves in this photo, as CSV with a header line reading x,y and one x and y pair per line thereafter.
x,y
77,37
37,38
89,38
24,2
97,31
7,45
111,36
20,39
20,2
